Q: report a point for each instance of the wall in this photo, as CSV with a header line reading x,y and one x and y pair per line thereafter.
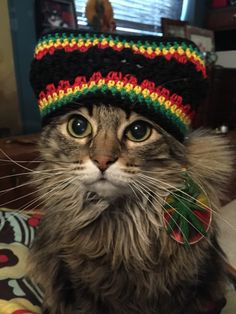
x,y
9,106
23,38
226,59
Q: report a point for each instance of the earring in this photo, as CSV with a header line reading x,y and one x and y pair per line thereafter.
x,y
187,214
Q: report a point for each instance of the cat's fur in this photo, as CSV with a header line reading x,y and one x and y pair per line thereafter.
x,y
101,247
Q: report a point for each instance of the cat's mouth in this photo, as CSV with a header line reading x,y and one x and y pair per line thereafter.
x,y
106,188
102,179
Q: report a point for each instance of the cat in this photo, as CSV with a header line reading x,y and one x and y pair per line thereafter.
x,y
102,246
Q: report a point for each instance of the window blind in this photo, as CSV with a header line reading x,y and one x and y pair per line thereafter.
x,y
137,16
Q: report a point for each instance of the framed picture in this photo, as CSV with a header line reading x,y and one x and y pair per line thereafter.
x,y
203,38
54,14
173,28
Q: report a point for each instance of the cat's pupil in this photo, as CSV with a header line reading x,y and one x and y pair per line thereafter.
x,y
79,125
139,130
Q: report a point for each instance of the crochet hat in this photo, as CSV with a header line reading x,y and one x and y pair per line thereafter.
x,y
162,78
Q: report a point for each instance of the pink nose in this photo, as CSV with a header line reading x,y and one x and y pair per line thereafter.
x,y
103,161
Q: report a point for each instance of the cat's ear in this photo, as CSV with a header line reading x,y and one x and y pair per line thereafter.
x,y
210,158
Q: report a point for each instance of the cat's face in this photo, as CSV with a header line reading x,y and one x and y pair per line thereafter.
x,y
109,151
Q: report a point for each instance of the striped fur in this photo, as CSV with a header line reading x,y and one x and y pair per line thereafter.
x,y
102,247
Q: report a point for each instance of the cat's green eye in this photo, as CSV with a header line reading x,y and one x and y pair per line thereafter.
x,y
138,131
79,127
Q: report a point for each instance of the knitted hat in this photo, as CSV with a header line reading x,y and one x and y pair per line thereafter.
x,y
162,78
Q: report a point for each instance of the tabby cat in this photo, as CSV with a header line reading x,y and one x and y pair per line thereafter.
x,y
102,247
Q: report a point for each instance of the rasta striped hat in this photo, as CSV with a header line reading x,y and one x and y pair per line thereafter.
x,y
162,78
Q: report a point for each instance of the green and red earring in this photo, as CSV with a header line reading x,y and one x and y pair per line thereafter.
x,y
187,214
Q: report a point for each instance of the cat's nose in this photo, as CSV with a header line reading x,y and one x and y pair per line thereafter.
x,y
104,161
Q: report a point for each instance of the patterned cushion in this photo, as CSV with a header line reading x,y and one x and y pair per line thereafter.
x,y
17,294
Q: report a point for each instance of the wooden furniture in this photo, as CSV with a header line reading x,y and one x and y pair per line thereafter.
x,y
219,108
222,98
17,158
222,18
223,22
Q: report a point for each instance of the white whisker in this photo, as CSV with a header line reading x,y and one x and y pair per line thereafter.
x,y
141,189
29,182
191,224
162,207
13,161
30,173
24,196
57,188
189,198
20,161
174,188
